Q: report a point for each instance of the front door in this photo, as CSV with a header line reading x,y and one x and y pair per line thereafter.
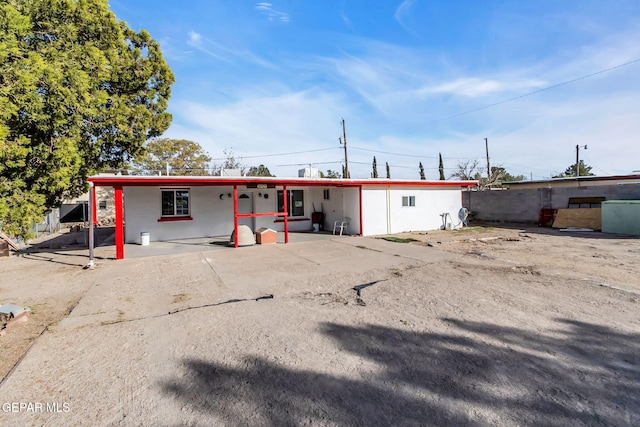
x,y
245,205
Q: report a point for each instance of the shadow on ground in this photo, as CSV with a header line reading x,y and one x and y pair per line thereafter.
x,y
74,240
478,374
59,246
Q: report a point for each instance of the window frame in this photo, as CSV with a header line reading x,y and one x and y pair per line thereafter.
x,y
408,201
293,212
179,210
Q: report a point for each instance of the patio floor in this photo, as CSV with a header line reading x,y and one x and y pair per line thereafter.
x,y
106,249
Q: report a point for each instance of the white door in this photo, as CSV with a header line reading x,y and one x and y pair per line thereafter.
x,y
245,205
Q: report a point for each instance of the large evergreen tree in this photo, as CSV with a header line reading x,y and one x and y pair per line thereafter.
x,y
261,170
79,91
571,171
441,168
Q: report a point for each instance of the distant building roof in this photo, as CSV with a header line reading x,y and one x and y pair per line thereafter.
x,y
573,181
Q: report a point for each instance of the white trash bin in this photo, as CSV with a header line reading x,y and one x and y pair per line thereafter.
x,y
144,239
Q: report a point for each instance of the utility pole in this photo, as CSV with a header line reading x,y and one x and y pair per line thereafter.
x,y
486,143
346,159
578,159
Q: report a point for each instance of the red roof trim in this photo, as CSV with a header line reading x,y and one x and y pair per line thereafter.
x,y
169,181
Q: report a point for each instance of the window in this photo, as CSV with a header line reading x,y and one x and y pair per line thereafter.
x,y
326,194
102,205
175,202
409,201
295,202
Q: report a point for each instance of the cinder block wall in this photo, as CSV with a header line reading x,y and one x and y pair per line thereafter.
x,y
524,205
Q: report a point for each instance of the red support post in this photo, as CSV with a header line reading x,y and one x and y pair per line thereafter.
x,y
117,195
285,208
236,240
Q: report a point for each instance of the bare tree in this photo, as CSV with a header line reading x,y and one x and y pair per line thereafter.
x,y
230,162
467,171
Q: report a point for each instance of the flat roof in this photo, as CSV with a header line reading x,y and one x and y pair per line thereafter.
x,y
170,181
576,178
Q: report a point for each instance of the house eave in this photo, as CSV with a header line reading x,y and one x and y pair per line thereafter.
x,y
171,181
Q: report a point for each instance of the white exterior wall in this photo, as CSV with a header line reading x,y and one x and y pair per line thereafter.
x,y
212,215
332,207
374,207
351,199
383,212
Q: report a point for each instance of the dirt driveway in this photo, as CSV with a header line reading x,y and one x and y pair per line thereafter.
x,y
478,327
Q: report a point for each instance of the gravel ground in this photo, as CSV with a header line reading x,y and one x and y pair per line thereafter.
x,y
486,326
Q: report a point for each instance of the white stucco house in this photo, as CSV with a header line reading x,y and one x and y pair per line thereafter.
x,y
179,207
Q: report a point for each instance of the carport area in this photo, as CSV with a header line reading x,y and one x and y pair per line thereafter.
x,y
107,249
169,208
175,208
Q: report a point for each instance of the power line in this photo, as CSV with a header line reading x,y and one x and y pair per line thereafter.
x,y
280,154
413,156
539,90
309,163
398,166
393,154
595,167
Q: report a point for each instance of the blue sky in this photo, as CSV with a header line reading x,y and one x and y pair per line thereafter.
x,y
411,78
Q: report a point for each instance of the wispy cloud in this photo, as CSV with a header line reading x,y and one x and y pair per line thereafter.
x,y
475,87
264,123
346,20
203,45
223,53
271,13
403,13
